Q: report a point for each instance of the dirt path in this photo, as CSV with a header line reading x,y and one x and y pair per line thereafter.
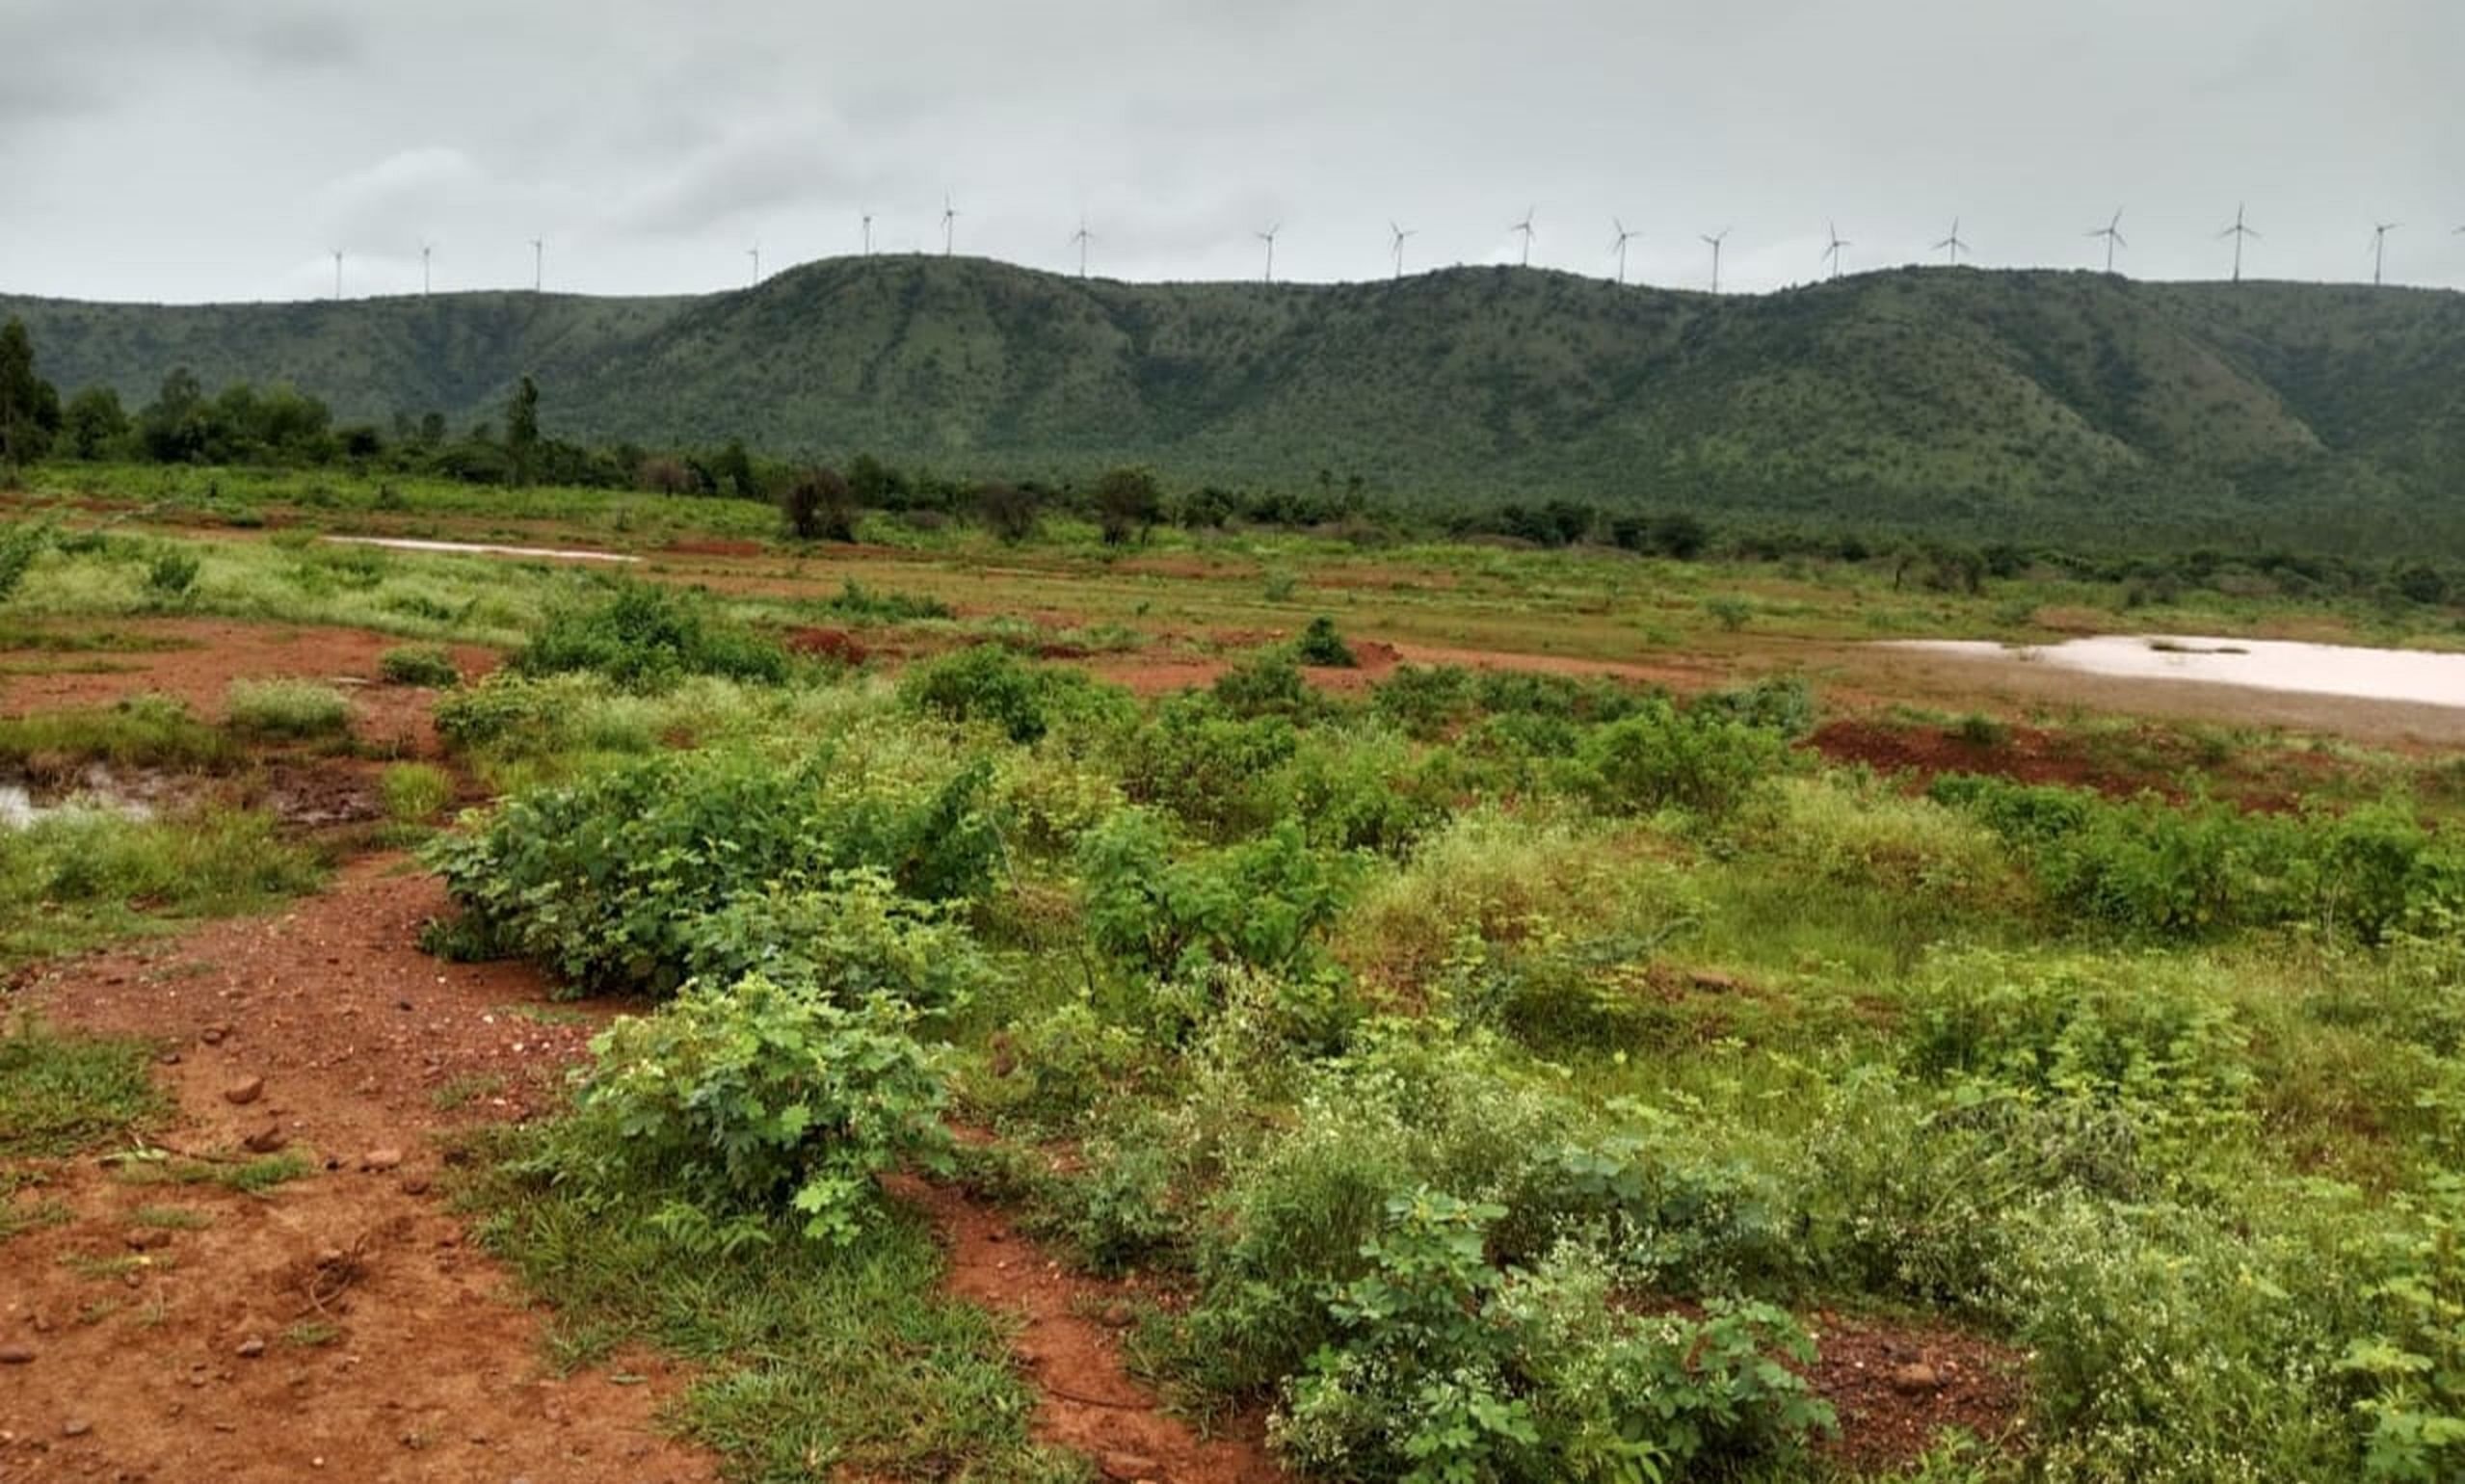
x,y
1087,1401
339,1325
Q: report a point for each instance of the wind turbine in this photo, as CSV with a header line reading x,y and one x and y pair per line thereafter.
x,y
755,252
1268,237
2113,232
1953,245
539,263
337,276
1619,247
949,222
1832,253
1401,234
425,248
2378,251
868,235
2238,232
1525,227
1082,237
1715,239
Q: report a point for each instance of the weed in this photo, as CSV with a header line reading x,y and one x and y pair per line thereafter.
x,y
419,664
286,709
61,1093
415,791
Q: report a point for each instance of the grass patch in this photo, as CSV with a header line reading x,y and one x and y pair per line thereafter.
x,y
419,664
461,1091
142,732
415,791
244,1176
817,1361
84,877
64,1093
286,709
311,1333
19,1217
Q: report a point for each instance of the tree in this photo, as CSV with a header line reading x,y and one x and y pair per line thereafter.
x,y
173,427
1007,511
29,406
1128,500
522,429
819,506
94,423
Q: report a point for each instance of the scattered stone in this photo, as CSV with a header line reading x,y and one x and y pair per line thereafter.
x,y
16,1355
244,1091
1916,1380
168,1059
1118,1315
147,1238
266,1140
1129,1467
75,1427
214,1035
251,1348
414,1184
381,1160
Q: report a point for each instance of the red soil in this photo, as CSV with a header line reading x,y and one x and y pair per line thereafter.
x,y
181,1367
1895,1387
1086,1400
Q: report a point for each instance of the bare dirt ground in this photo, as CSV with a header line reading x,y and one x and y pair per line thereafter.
x,y
209,653
339,1325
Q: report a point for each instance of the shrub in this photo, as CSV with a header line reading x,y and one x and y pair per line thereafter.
x,y
606,880
19,545
748,1102
170,573
855,601
1267,686
645,637
1660,758
1264,903
1321,645
818,505
415,791
849,939
982,684
419,664
1212,770
286,709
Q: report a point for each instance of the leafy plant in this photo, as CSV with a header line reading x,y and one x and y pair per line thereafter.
x,y
420,664
646,637
1321,645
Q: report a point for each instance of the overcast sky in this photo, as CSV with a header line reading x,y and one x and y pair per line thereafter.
x,y
194,149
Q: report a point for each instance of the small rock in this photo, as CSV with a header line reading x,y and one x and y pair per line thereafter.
x,y
1916,1380
414,1184
1118,1315
266,1140
168,1059
16,1355
214,1035
244,1091
381,1160
147,1238
1128,1466
251,1348
75,1427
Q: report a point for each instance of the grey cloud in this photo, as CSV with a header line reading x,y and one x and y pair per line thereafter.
x,y
227,145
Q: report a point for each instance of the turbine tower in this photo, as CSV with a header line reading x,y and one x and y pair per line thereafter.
x,y
2238,232
1268,237
539,263
1525,227
1082,237
1399,249
337,276
1715,239
868,235
755,252
2378,251
1953,245
949,222
1832,253
1618,245
2113,232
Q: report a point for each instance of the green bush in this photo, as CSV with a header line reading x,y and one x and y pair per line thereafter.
x,y
170,572
645,637
286,709
419,664
864,604
19,545
1661,757
1321,646
748,1103
1265,903
1266,685
607,880
985,683
850,937
1211,769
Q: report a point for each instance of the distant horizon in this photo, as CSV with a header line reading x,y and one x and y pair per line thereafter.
x,y
1701,291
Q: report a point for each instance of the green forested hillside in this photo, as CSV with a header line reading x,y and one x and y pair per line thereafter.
x,y
1965,399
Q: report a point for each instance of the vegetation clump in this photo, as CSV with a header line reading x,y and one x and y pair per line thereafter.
x,y
646,637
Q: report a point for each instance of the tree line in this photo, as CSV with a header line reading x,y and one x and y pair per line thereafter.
x,y
280,426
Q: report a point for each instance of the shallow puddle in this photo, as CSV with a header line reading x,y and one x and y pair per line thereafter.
x,y
480,548
22,806
2417,675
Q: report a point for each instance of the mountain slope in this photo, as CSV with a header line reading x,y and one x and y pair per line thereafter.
x,y
1956,399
